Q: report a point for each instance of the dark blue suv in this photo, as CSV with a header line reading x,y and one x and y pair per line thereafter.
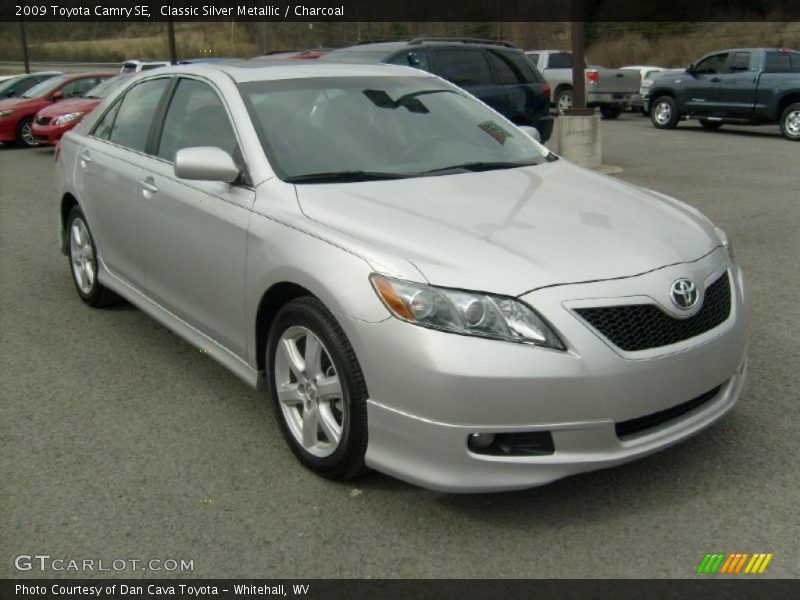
x,y
496,72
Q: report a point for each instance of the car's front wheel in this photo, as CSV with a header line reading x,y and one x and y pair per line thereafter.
x,y
790,122
82,255
664,113
318,389
25,133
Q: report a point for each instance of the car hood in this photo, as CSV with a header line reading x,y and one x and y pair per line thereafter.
x,y
68,106
515,230
17,103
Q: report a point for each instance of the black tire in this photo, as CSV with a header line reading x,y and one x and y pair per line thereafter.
x,y
610,111
564,99
661,118
24,133
790,128
710,125
347,461
97,295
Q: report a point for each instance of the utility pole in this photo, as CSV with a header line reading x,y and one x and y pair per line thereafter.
x,y
173,53
578,62
24,39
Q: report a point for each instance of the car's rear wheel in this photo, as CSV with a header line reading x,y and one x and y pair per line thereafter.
x,y
610,111
790,122
318,389
25,133
664,113
711,125
82,255
564,100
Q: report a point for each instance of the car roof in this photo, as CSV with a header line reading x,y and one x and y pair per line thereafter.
x,y
244,71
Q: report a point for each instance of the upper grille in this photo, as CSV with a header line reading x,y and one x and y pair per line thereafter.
x,y
43,120
641,326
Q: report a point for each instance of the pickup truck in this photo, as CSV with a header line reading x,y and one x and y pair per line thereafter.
x,y
745,86
610,89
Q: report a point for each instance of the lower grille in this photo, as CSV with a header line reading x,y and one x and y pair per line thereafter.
x,y
631,427
634,327
43,120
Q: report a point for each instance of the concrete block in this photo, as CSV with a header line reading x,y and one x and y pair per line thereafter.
x,y
579,140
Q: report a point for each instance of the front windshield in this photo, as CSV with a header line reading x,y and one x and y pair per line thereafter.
x,y
382,127
9,83
104,89
45,87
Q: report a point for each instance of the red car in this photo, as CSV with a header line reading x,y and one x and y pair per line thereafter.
x,y
55,120
16,114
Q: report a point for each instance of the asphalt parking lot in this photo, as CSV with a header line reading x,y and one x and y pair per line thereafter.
x,y
119,440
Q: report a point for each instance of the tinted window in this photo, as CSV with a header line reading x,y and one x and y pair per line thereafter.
x,y
712,64
103,128
534,58
740,62
509,68
135,115
151,67
196,117
778,63
463,67
414,58
560,60
45,87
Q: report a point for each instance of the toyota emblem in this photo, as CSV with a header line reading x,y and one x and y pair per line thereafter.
x,y
683,294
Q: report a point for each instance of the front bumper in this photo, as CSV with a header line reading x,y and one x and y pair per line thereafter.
x,y
430,390
48,135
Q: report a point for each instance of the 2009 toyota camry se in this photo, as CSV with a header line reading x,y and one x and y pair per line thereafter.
x,y
420,286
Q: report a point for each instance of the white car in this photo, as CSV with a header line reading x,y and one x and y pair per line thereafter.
x,y
420,286
648,75
135,66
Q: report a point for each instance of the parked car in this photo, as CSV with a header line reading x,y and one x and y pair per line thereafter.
x,y
648,83
16,114
136,66
743,86
55,120
610,89
18,85
647,74
204,59
420,287
496,72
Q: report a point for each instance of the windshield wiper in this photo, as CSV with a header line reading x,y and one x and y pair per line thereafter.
x,y
479,166
343,177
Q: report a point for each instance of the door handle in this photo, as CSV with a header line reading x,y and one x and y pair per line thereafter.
x,y
85,158
148,186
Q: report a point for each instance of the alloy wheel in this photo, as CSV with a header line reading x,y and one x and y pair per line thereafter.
x,y
792,123
82,255
26,134
309,391
564,102
662,113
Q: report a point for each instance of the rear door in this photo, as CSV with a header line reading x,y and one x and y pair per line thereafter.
x,y
193,233
107,171
737,88
469,68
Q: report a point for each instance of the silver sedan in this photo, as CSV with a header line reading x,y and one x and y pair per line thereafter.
x,y
419,286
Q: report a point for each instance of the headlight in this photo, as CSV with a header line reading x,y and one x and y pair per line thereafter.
x,y
5,113
68,118
726,243
467,313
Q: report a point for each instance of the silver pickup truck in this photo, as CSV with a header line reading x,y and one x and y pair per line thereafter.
x,y
610,89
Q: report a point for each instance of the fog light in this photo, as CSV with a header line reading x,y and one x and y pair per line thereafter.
x,y
480,441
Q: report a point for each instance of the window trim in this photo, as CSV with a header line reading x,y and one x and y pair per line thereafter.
x,y
160,117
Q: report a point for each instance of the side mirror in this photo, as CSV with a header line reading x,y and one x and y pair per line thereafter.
x,y
531,131
690,69
57,96
205,163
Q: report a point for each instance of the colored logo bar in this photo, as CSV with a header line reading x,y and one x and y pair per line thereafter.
x,y
722,563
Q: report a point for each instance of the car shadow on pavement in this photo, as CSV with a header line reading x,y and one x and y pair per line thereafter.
x,y
755,133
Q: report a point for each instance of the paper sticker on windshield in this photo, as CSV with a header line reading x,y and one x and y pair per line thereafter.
x,y
493,129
